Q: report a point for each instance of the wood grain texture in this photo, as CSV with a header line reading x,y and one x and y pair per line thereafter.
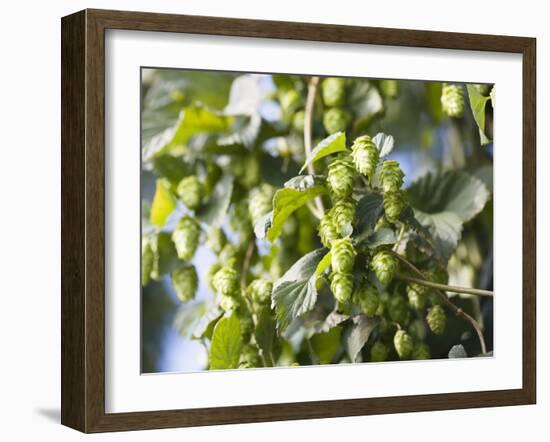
x,y
83,220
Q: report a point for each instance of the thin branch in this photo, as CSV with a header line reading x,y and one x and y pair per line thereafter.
x,y
399,238
447,288
457,311
308,123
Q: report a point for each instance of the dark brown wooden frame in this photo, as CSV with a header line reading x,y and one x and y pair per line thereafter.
x,y
83,220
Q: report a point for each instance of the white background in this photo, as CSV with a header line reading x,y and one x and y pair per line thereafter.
x,y
30,221
128,391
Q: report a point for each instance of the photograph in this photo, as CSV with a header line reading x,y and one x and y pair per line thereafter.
x,y
298,220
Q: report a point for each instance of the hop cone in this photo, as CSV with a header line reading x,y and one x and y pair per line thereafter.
x,y
147,260
191,191
378,352
452,100
185,282
343,214
390,176
398,310
343,255
239,221
418,295
186,237
260,291
333,91
229,255
226,281
384,266
290,100
259,203
250,357
209,275
420,352
328,231
437,320
341,286
213,174
394,203
366,297
336,119
340,177
389,88
245,318
216,239
365,155
298,121
403,344
228,303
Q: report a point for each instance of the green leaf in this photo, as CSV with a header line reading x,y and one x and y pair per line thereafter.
x,y
369,210
384,143
325,345
357,334
214,211
445,229
478,104
332,144
265,334
163,203
192,120
226,344
246,95
457,351
192,316
323,264
295,293
287,200
165,258
453,191
381,237
365,101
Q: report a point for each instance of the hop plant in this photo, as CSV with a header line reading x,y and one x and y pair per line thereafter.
x,y
365,155
290,100
398,310
247,323
228,303
343,214
403,344
389,88
216,239
209,275
228,255
185,282
240,220
384,266
452,100
343,255
342,286
437,320
340,177
147,260
378,352
186,237
298,121
260,290
390,176
250,357
259,203
336,119
226,281
366,297
333,91
418,295
191,191
420,352
394,203
328,231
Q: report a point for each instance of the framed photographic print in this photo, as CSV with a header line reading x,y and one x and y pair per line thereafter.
x,y
266,221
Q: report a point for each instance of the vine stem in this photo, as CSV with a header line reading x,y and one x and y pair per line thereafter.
x,y
456,310
447,288
308,124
